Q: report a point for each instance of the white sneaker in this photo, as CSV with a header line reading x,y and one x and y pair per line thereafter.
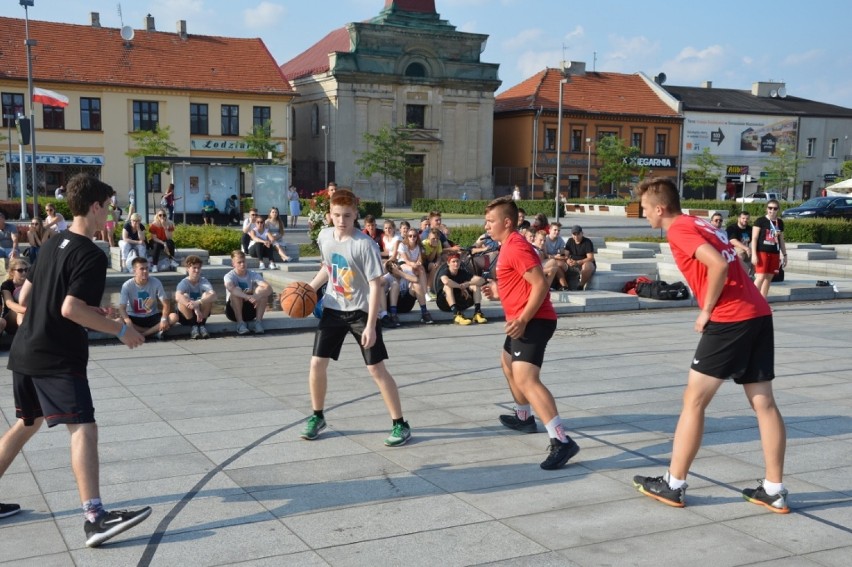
x,y
261,267
174,264
204,333
258,328
193,333
273,266
242,329
154,269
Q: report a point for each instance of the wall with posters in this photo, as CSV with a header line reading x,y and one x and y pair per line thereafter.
x,y
737,135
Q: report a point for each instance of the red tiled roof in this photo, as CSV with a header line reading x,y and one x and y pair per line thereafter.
x,y
609,93
84,54
315,59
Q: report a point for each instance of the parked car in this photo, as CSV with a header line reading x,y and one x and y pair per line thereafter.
x,y
760,197
822,207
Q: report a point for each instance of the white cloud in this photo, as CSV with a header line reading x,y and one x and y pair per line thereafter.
x,y
802,58
523,38
628,54
264,15
575,34
692,65
531,62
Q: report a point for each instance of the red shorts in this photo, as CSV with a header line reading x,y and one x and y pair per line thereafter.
x,y
767,263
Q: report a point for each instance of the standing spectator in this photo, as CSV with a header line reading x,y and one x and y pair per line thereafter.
x,y
208,210
36,236
109,225
161,231
194,297
143,303
581,256
232,210
737,343
50,353
59,194
352,267
8,239
260,246
53,220
13,309
275,227
768,249
295,205
739,235
530,322
516,193
247,295
133,242
168,200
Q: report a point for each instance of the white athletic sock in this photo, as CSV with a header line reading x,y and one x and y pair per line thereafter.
x,y
772,488
674,483
522,411
555,429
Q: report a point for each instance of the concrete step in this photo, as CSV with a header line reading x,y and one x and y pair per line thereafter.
x,y
647,266
655,246
596,300
807,254
625,253
612,281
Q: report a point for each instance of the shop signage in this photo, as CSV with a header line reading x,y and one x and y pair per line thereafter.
x,y
57,159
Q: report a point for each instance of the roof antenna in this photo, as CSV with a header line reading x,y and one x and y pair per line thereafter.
x,y
594,61
120,17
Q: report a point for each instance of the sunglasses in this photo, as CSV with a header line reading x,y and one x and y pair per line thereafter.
x,y
716,221
21,270
771,208
161,216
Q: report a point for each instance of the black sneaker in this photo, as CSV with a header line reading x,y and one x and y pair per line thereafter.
x,y
7,510
426,318
113,523
559,453
387,322
658,488
775,503
395,320
512,421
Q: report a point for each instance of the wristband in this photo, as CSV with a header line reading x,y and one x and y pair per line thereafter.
x,y
163,319
122,331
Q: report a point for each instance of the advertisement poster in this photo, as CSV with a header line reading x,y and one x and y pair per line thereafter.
x,y
737,134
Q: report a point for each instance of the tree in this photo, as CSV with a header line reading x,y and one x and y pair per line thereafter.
x,y
619,161
156,142
846,170
385,155
705,173
780,169
260,143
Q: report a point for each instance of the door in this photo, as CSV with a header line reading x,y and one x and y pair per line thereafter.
x,y
413,178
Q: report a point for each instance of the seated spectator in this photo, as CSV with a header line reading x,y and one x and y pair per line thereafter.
x,y
555,264
260,246
8,239
143,303
13,312
275,227
36,236
194,297
161,231
581,256
53,220
411,258
208,210
522,219
458,290
247,295
409,291
373,232
538,244
232,210
484,244
540,222
133,242
248,224
432,249
404,229
390,241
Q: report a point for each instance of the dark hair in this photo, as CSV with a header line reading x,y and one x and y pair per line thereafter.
x,y
433,214
369,219
139,260
521,210
506,207
84,191
663,190
192,260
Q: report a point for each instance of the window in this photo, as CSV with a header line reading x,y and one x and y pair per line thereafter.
x,y
415,70
315,125
13,105
576,140
660,146
146,115
636,140
832,149
230,120
550,139
811,147
415,115
198,119
90,113
604,134
53,117
293,122
262,116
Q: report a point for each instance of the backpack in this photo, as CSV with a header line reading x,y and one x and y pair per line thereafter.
x,y
662,290
630,287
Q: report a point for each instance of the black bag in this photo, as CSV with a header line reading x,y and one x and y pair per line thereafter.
x,y
662,290
779,277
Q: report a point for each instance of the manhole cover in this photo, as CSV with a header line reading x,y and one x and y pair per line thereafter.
x,y
577,332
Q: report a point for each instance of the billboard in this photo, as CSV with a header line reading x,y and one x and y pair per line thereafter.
x,y
737,135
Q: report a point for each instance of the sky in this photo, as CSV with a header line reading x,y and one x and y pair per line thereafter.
x,y
731,43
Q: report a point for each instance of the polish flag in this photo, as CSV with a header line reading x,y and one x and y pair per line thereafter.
x,y
49,98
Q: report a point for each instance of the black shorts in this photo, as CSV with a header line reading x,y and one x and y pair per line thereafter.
x,y
184,321
146,322
462,302
743,352
333,328
406,302
530,348
58,398
249,312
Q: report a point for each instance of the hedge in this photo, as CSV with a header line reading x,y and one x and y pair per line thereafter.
x,y
477,207
217,240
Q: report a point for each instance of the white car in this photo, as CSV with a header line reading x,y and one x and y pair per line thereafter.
x,y
760,197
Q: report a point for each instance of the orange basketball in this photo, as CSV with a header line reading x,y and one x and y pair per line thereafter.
x,y
298,300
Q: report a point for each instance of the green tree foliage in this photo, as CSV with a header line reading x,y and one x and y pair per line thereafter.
x,y
846,170
780,170
706,171
156,142
260,143
385,155
618,162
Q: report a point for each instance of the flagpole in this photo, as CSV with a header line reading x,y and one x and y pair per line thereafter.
x,y
29,43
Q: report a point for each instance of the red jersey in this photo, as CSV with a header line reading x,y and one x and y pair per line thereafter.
x,y
517,257
740,300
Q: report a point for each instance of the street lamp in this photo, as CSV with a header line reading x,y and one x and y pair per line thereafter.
x,y
588,168
562,83
29,43
325,133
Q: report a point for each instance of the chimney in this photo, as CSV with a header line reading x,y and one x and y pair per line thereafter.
x,y
149,23
767,89
706,84
576,68
181,29
96,20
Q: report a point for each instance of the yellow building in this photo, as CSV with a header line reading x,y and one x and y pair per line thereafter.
x,y
210,91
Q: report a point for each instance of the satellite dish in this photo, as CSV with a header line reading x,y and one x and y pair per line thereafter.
x,y
773,93
782,92
661,78
127,33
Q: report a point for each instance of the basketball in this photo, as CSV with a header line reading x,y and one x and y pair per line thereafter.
x,y
298,300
